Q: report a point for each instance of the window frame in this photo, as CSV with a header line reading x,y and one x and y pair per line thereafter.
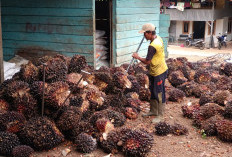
x,y
183,32
229,29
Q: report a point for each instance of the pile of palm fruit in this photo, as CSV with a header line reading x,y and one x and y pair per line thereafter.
x,y
211,82
90,112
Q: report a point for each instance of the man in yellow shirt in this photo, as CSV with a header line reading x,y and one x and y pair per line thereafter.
x,y
157,71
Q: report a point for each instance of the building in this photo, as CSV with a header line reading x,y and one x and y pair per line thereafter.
x,y
68,27
197,18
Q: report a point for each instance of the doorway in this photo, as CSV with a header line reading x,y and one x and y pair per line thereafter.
x,y
103,35
199,29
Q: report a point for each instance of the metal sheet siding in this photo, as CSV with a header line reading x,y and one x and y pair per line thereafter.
x,y
130,16
64,26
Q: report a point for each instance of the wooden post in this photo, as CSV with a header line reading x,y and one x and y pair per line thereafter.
x,y
1,51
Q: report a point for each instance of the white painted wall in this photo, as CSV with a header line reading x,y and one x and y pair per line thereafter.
x,y
179,28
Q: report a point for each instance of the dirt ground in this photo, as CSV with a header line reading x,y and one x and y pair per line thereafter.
x,y
191,145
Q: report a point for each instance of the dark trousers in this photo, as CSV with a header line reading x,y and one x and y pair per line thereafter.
x,y
157,86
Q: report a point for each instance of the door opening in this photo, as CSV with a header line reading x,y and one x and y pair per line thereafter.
x,y
103,35
199,29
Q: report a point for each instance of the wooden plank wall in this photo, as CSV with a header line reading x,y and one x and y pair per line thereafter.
x,y
163,30
130,16
64,26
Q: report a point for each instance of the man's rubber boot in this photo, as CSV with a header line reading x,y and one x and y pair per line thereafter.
x,y
161,107
153,108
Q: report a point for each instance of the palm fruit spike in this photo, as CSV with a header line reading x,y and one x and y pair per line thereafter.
x,y
176,95
163,129
189,109
77,64
209,125
224,130
136,142
41,134
132,95
221,97
135,103
56,94
104,125
11,122
85,143
96,99
55,70
178,129
177,78
22,151
7,142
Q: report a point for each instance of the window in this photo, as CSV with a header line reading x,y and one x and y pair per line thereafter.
x,y
186,27
229,25
209,28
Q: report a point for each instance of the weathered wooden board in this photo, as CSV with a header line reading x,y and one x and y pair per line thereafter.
x,y
138,3
132,11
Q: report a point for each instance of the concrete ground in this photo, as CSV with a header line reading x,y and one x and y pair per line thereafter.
x,y
194,54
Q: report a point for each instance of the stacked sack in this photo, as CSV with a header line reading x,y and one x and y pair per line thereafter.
x,y
101,50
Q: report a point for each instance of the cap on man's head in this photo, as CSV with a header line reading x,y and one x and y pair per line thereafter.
x,y
147,27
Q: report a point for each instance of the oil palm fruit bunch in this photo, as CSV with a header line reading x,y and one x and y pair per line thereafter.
x,y
144,94
85,143
177,78
140,68
102,79
227,69
120,80
96,99
189,109
209,125
143,80
69,119
178,129
187,88
11,122
202,76
7,142
77,64
135,103
206,111
117,69
163,128
4,105
42,60
22,151
131,113
188,72
36,89
117,118
221,97
228,110
224,83
131,70
104,125
136,142
200,89
132,95
104,69
55,94
29,72
206,98
55,70
224,130
73,79
135,85
27,105
176,95
41,134
110,143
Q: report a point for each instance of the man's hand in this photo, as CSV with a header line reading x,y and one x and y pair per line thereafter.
x,y
135,55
